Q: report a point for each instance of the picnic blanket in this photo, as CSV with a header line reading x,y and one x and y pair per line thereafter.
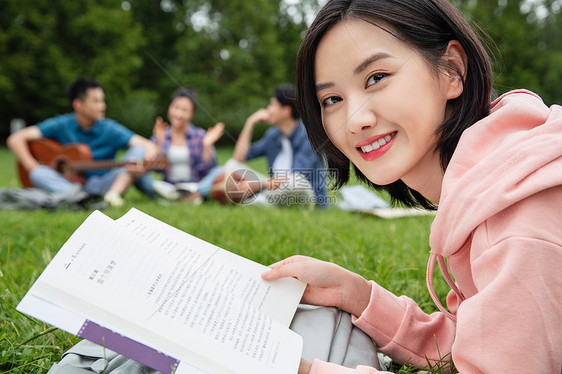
x,y
358,198
35,198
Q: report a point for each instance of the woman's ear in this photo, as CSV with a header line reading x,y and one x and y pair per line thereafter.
x,y
456,66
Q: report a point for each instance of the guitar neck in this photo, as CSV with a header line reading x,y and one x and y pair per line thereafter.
x,y
79,166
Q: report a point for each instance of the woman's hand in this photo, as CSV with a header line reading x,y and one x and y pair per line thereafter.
x,y
159,129
327,284
213,134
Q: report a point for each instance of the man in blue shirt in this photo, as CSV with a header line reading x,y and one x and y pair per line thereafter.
x,y
103,136
285,145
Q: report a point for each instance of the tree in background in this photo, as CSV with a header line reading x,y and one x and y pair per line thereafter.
x,y
45,46
232,52
527,38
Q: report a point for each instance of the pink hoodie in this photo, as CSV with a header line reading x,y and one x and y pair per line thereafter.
x,y
499,224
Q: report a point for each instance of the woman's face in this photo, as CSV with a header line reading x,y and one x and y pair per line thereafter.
x,y
180,112
381,104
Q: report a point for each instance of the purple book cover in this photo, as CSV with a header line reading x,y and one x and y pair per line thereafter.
x,y
128,347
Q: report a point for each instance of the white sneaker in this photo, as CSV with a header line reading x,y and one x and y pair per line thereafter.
x,y
189,187
166,190
113,199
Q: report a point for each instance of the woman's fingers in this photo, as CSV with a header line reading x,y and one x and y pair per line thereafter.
x,y
300,267
289,267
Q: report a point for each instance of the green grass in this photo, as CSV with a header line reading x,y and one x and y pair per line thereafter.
x,y
391,252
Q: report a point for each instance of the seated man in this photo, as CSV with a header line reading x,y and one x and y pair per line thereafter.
x,y
104,137
293,166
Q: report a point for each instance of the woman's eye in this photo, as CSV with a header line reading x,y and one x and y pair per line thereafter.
x,y
330,101
375,78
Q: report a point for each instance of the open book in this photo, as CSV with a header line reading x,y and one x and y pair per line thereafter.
x,y
169,300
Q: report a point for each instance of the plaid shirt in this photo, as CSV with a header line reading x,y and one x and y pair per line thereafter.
x,y
194,139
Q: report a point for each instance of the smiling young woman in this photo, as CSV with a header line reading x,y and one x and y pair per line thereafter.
x,y
382,105
400,91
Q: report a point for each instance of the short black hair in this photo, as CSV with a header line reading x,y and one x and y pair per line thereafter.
x,y
79,88
285,94
187,92
427,26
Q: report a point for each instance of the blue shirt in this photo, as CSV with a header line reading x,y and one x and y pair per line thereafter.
x,y
305,161
104,138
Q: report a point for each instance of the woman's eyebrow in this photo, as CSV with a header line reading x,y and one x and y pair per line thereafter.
x,y
362,66
369,60
323,86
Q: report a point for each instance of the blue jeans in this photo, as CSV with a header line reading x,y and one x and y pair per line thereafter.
x,y
205,184
49,179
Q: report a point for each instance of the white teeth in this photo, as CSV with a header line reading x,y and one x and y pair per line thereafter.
x,y
376,144
368,148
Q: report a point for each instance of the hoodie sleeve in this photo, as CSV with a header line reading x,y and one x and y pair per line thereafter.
x,y
401,330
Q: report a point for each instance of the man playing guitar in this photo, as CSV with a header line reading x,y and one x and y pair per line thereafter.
x,y
103,136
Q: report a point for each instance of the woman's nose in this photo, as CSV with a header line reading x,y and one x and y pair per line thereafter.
x,y
360,115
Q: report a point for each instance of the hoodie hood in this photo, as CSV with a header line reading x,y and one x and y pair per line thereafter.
x,y
513,153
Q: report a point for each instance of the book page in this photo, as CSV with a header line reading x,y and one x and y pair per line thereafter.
x,y
243,277
176,293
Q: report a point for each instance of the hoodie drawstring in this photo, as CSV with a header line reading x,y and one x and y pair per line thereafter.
x,y
448,279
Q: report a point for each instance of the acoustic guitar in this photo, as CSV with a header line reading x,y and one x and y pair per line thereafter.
x,y
73,160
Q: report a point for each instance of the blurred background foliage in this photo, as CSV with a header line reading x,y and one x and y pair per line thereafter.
x,y
232,52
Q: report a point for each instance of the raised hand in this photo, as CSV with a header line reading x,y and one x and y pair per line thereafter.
x,y
213,134
159,129
260,116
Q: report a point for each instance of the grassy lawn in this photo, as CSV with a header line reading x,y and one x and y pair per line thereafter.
x,y
391,252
